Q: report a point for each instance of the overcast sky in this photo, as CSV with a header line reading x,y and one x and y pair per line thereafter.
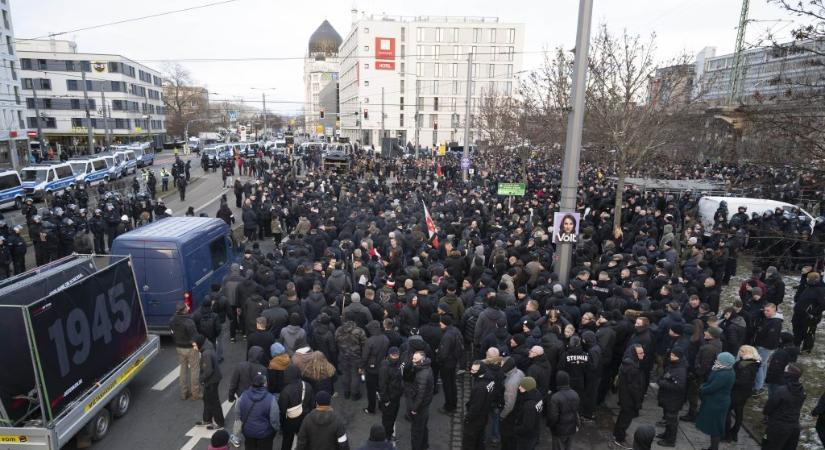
x,y
271,28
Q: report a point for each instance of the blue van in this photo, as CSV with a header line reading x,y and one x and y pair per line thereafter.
x,y
11,189
176,259
41,178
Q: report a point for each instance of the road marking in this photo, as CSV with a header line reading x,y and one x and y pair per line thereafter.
x,y
167,380
223,191
197,433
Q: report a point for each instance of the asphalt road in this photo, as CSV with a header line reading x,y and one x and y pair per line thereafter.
x,y
158,419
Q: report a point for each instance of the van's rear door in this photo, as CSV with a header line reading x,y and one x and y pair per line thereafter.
x,y
163,283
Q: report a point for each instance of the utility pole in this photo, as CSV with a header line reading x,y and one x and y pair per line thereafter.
x,y
575,121
417,114
37,118
106,117
465,172
90,135
381,141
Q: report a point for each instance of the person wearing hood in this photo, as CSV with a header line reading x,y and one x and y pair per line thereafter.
x,y
775,286
323,337
716,399
528,412
745,370
563,413
631,386
513,376
419,395
317,371
260,414
350,340
277,368
293,336
377,440
593,374
807,311
671,396
360,313
375,350
643,437
576,362
323,428
478,407
456,307
783,410
240,380
786,353
409,317
295,402
276,316
210,378
390,390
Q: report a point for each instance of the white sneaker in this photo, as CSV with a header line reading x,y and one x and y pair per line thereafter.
x,y
235,441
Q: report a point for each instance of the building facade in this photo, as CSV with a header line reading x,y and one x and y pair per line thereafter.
x,y
13,139
129,94
321,67
406,77
328,102
770,74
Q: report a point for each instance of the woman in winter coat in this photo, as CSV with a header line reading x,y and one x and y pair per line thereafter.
x,y
745,370
716,399
318,372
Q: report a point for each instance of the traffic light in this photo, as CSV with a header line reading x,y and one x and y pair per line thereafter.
x,y
366,114
322,113
435,125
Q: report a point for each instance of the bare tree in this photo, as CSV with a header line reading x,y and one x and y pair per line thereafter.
x,y
633,108
546,99
498,120
184,101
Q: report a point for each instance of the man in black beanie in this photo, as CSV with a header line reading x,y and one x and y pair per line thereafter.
x,y
671,397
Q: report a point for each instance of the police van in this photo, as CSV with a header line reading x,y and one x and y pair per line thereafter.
x,y
124,160
89,171
144,153
111,165
11,189
40,179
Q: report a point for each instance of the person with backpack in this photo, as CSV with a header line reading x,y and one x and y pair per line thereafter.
x,y
209,378
206,321
241,379
229,289
260,415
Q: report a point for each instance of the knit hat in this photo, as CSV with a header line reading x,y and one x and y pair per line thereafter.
x,y
259,380
393,351
756,291
726,359
786,337
562,379
219,439
793,370
527,383
200,340
677,352
276,349
322,398
519,338
377,433
716,332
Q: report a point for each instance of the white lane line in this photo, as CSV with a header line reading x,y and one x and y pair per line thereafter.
x,y
167,380
197,433
223,191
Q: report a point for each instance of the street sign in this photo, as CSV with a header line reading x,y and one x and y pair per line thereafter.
x,y
465,164
512,189
31,134
442,150
233,115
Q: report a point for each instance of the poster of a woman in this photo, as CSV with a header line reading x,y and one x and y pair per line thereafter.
x,y
565,227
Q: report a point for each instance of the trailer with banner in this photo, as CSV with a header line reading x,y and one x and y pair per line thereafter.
x,y
76,336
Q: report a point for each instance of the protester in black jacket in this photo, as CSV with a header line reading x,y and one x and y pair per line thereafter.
x,y
819,413
419,393
390,389
745,370
375,350
478,407
593,375
296,392
786,353
782,411
210,379
671,397
528,411
184,331
450,353
563,413
735,331
576,362
631,391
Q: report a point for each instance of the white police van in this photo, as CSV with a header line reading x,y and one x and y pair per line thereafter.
x,y
11,189
144,153
89,171
40,179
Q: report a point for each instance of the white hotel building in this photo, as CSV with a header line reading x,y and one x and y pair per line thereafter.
x,y
420,63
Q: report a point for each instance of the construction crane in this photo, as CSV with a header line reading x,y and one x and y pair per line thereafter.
x,y
737,72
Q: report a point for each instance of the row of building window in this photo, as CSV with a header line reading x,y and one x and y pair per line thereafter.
x,y
490,35
45,84
78,122
60,65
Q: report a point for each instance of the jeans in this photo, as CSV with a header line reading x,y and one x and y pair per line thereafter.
x,y
765,355
495,424
189,361
212,405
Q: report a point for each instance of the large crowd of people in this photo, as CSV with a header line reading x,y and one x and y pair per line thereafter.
x,y
360,297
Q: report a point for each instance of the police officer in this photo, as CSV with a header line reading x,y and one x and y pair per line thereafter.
x,y
66,234
17,248
5,259
135,185
97,225
164,180
151,184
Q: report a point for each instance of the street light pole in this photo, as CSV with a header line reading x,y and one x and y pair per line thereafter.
x,y
464,169
90,135
575,121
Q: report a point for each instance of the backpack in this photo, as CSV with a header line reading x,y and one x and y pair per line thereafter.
x,y
209,326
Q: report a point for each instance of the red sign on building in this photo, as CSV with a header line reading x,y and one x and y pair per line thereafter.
x,y
384,53
31,134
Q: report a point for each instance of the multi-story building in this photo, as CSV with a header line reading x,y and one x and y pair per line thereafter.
x,y
328,102
321,67
770,73
407,76
13,139
129,94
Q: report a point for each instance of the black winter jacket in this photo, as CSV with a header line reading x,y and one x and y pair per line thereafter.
x,y
419,392
528,412
245,372
375,348
183,330
563,412
390,383
673,386
779,359
481,398
785,404
451,348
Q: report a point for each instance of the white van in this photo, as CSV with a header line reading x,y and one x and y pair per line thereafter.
x,y
89,171
11,189
42,178
709,205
